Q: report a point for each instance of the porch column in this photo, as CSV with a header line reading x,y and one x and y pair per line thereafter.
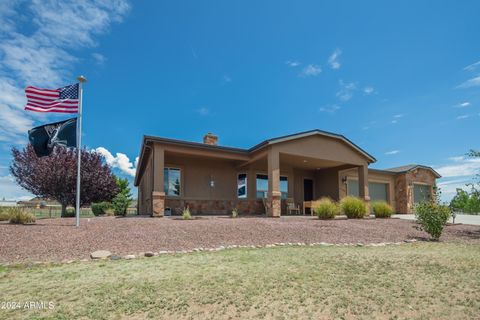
x,y
274,195
363,182
158,194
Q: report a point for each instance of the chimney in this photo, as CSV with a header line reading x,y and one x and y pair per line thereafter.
x,y
210,139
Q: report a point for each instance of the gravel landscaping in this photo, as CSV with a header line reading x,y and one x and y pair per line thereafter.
x,y
58,239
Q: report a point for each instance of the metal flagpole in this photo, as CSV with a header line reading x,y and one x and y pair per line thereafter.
x,y
81,80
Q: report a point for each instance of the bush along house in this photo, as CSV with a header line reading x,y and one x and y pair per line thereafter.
x,y
212,179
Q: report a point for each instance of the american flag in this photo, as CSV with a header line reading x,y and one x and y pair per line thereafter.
x,y
64,100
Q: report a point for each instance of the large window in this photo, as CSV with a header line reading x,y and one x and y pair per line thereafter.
x,y
242,186
352,188
377,190
284,187
172,181
262,186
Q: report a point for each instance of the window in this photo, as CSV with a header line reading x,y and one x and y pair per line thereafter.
x,y
242,185
352,188
262,186
377,190
172,180
284,187
421,193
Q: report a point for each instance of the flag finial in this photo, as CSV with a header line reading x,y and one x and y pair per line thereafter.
x,y
82,79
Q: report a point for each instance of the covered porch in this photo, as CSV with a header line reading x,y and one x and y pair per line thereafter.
x,y
279,178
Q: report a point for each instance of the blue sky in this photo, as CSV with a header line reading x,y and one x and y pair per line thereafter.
x,y
400,80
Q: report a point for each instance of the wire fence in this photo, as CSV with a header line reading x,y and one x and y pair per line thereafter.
x,y
52,211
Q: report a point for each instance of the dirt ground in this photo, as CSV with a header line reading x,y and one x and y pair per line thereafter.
x,y
59,239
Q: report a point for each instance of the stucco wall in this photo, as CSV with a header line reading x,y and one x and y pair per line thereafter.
x,y
327,184
145,189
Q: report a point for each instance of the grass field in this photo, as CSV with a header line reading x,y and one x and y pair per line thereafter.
x,y
414,281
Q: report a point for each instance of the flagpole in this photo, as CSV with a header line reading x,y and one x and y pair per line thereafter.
x,y
81,80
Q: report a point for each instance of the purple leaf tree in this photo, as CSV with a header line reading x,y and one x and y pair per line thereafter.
x,y
54,176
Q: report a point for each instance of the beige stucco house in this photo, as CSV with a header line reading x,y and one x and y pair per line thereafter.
x,y
213,179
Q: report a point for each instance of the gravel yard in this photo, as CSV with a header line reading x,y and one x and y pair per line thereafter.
x,y
58,239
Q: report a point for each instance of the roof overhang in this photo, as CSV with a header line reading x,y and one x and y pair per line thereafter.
x,y
315,132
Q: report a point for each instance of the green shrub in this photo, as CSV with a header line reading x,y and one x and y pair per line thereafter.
x,y
110,212
354,208
432,217
19,216
381,209
100,208
4,214
69,213
186,215
234,213
120,204
326,208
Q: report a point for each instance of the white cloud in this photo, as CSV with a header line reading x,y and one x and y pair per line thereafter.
x,y
462,167
449,188
474,82
203,111
463,116
472,66
463,105
346,90
333,59
330,109
293,63
398,116
369,90
43,57
119,161
10,190
392,152
99,58
394,121
311,70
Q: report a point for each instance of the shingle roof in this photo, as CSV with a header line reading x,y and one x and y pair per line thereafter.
x,y
410,167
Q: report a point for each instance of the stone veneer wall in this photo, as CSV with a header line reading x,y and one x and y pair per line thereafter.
x,y
215,206
404,188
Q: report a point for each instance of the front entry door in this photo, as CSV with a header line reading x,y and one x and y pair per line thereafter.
x,y
307,189
307,192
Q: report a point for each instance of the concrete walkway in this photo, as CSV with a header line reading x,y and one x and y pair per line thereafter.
x,y
461,218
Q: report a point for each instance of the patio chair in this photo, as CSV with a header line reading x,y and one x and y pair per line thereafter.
x,y
291,207
308,205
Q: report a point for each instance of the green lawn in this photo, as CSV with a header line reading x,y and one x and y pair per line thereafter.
x,y
422,280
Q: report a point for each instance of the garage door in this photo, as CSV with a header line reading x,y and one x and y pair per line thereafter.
x,y
378,191
421,193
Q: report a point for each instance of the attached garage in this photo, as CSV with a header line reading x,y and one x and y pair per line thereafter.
x,y
421,193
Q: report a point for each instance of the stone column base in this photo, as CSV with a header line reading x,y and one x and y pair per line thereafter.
x,y
274,204
158,204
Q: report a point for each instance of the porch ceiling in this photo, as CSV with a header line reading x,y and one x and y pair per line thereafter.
x,y
307,162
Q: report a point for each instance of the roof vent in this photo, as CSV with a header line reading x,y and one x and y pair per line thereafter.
x,y
210,139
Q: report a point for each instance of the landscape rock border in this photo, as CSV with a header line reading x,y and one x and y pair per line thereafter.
x,y
281,244
148,254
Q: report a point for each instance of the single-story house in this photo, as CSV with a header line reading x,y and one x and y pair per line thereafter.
x,y
213,179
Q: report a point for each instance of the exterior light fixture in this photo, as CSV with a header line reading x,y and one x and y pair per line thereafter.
x,y
344,180
212,182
